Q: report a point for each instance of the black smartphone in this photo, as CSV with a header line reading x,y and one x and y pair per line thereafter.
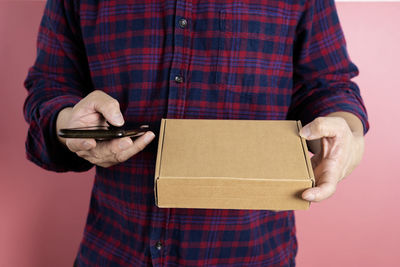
x,y
104,132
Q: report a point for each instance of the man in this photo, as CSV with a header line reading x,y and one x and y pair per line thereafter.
x,y
140,61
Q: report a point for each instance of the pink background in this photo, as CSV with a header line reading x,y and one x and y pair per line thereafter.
x,y
42,214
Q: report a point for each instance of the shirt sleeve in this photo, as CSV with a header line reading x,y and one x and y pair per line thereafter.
x,y
322,67
58,79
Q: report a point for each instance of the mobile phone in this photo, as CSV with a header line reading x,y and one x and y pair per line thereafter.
x,y
104,132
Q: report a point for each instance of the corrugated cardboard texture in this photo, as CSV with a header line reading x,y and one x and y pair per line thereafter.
x,y
234,164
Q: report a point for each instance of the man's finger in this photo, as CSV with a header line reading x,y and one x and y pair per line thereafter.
x,y
321,192
315,160
111,152
138,145
76,145
108,107
327,179
323,127
104,152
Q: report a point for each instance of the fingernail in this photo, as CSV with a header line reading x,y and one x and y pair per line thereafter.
x,y
309,197
118,118
305,132
148,137
124,144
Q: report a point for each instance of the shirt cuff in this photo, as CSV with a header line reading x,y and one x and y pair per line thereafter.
x,y
337,100
55,156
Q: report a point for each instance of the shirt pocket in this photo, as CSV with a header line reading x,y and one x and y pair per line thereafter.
x,y
251,41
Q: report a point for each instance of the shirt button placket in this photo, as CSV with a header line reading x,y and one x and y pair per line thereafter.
x,y
182,23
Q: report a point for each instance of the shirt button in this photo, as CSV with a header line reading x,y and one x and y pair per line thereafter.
x,y
178,79
183,23
159,245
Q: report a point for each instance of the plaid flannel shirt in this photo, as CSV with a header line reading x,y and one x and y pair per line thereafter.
x,y
214,59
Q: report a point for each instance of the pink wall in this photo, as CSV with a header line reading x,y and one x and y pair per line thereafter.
x,y
359,226
43,213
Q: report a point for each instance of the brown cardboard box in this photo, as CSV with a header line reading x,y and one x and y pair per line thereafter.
x,y
232,164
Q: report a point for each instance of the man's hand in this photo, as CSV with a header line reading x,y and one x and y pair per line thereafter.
x,y
338,144
95,109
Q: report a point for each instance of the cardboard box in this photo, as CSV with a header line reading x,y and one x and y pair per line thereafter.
x,y
232,164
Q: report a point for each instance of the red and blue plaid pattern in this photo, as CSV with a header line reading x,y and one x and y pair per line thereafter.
x,y
258,59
